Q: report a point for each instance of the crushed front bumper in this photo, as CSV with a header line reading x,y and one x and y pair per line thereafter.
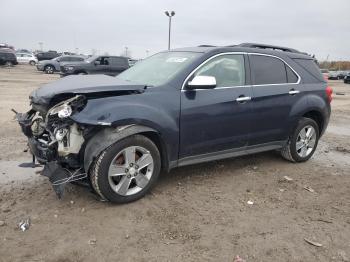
x,y
56,168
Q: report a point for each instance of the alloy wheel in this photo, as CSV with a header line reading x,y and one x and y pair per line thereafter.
x,y
130,170
306,141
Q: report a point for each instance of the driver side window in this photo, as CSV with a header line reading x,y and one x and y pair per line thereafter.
x,y
228,70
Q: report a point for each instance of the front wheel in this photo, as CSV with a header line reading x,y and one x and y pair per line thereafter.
x,y
49,69
127,170
303,142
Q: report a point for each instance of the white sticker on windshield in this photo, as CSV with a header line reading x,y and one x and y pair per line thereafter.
x,y
176,59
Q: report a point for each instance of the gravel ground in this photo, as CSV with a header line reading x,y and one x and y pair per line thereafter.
x,y
195,213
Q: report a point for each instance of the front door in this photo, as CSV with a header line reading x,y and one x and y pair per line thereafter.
x,y
217,119
101,66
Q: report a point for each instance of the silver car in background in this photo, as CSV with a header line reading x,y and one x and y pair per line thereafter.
x,y
53,65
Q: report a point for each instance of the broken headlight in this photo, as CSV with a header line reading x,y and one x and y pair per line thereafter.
x,y
68,107
63,111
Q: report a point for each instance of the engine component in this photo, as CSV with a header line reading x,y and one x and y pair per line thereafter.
x,y
72,142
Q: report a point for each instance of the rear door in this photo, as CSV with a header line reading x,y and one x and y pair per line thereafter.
x,y
213,120
275,90
117,65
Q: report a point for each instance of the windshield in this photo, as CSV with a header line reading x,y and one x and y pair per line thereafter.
x,y
158,69
91,58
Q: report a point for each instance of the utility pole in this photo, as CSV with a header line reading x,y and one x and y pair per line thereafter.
x,y
169,14
126,51
147,53
41,45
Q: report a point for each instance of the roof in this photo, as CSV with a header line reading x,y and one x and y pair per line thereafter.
x,y
247,48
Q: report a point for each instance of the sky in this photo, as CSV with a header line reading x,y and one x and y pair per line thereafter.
x,y
314,26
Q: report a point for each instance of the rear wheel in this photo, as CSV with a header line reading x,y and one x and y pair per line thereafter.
x,y
33,63
303,142
127,170
49,69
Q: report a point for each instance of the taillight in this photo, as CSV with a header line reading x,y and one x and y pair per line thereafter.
x,y
329,92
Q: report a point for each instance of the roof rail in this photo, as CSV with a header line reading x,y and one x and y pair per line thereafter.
x,y
207,46
273,47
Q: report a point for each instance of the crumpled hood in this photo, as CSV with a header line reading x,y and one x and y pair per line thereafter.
x,y
82,84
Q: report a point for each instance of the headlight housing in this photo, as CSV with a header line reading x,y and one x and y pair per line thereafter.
x,y
69,68
68,107
63,111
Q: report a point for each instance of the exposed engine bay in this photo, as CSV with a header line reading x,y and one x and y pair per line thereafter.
x,y
56,140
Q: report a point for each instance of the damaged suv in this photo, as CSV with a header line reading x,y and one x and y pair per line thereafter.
x,y
176,108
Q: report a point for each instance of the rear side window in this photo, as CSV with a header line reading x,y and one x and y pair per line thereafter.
x,y
268,70
291,76
75,59
310,66
118,61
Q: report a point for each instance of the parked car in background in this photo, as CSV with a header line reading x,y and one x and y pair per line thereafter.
x,y
47,55
333,75
347,78
26,58
336,75
132,61
7,57
108,65
176,108
325,74
54,65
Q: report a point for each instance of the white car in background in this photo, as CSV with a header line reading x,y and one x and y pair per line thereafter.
x,y
26,58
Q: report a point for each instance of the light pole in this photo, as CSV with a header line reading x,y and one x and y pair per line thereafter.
x,y
41,46
170,14
147,53
126,51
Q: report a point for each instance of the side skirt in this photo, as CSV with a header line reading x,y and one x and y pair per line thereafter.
x,y
230,153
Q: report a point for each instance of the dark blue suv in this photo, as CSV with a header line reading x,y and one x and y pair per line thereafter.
x,y
176,108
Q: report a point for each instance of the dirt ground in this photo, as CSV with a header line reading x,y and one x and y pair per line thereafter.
x,y
196,213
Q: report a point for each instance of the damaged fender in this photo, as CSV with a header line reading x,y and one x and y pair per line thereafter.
x,y
108,136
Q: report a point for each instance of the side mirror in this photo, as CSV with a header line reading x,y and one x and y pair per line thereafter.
x,y
96,63
202,82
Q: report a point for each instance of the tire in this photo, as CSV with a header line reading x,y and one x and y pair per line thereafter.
x,y
132,181
49,69
33,63
8,64
298,149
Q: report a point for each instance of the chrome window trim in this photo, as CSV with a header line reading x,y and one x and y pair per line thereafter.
x,y
238,53
210,58
296,83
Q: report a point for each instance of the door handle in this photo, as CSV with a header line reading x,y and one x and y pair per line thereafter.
x,y
293,92
243,99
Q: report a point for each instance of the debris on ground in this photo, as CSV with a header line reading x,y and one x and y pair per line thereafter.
x,y
309,189
281,189
72,202
288,178
342,149
2,223
316,244
92,242
24,224
238,259
255,167
82,210
340,94
250,202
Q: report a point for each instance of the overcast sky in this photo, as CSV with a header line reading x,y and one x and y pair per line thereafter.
x,y
315,26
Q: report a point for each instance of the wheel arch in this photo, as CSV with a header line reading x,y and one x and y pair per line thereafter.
x,y
108,136
317,117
